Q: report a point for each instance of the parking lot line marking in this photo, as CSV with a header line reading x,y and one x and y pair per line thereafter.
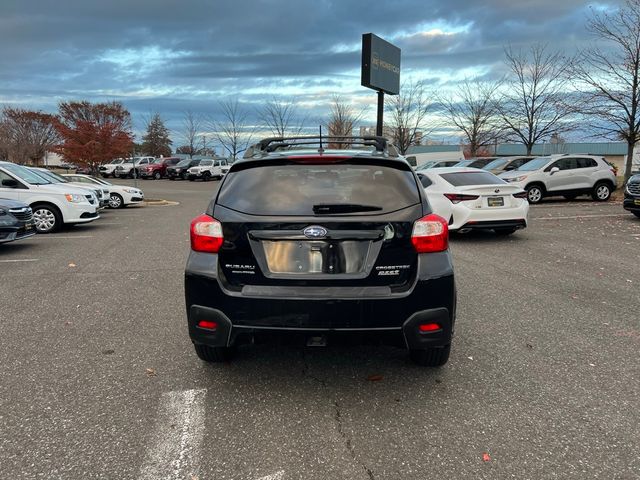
x,y
65,237
179,430
575,217
20,260
275,476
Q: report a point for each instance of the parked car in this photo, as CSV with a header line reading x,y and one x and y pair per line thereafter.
x,y
109,169
473,199
320,243
102,194
16,221
565,175
53,204
132,166
631,200
158,168
120,196
437,164
207,169
179,170
505,164
474,162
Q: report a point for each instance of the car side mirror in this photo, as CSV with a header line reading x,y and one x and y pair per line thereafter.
x,y
554,170
10,183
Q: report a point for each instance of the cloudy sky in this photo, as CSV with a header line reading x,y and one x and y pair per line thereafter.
x,y
169,56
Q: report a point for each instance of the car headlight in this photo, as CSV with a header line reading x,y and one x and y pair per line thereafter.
x,y
131,190
516,179
74,198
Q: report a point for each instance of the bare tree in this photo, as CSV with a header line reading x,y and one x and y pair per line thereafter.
x,y
27,135
281,118
473,109
534,105
191,126
343,117
610,78
233,132
408,113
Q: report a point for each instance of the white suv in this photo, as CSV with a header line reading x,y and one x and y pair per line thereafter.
x,y
565,175
126,169
52,204
109,169
208,169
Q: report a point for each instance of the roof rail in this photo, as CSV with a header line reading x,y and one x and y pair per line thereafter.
x,y
269,145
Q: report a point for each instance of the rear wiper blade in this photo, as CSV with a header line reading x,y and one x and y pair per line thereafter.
x,y
329,208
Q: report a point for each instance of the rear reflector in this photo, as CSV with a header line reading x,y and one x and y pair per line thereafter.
x,y
430,234
206,234
209,325
429,327
458,197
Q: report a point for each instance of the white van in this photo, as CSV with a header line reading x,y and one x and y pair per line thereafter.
x,y
53,204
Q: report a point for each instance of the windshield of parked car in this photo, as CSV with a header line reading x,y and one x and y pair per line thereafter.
x,y
426,165
306,189
25,174
183,163
535,164
205,163
53,177
463,179
464,163
497,163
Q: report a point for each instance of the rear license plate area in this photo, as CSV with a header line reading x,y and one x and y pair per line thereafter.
x,y
495,201
315,257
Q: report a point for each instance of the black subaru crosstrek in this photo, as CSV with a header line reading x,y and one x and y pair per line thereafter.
x,y
631,200
320,244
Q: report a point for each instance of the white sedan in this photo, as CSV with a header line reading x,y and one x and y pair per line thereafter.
x,y
119,195
473,199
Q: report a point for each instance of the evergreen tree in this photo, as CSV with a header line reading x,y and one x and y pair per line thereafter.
x,y
156,141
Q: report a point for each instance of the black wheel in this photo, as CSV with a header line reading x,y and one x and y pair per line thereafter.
x,y
183,176
601,192
637,214
157,175
171,178
214,354
534,193
206,176
431,357
114,175
115,201
573,196
504,231
47,218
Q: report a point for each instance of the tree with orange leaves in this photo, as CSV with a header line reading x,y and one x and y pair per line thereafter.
x,y
94,133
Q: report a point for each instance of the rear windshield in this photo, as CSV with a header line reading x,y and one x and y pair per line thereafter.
x,y
295,189
461,179
495,164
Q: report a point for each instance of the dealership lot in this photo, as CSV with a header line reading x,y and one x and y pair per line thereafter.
x,y
99,379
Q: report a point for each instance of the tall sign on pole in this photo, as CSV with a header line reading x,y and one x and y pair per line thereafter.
x,y
380,70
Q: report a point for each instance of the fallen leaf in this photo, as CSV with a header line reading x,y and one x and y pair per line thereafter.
x,y
486,457
374,378
108,352
151,372
529,345
470,358
72,265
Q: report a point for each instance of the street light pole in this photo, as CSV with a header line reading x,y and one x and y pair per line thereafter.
x,y
380,113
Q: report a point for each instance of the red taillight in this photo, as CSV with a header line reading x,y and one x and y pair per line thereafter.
x,y
206,234
429,327
520,195
430,234
207,324
459,197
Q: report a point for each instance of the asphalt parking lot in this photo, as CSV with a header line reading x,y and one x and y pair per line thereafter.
x,y
98,378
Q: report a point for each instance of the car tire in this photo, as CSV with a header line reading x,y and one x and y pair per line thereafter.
x,y
206,176
601,192
157,176
116,201
171,178
431,357
182,176
47,218
214,354
637,214
535,193
504,231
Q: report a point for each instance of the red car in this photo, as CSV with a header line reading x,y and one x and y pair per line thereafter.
x,y
158,169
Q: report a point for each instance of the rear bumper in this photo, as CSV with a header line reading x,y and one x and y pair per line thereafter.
x,y
393,318
492,224
465,217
